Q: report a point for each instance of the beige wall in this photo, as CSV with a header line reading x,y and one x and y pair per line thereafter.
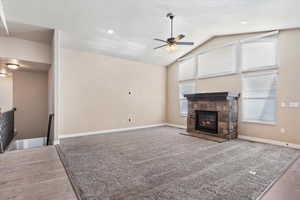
x,y
288,90
25,50
95,93
31,100
6,93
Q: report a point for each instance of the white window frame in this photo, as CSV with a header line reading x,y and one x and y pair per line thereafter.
x,y
235,71
184,98
254,71
195,71
238,67
254,40
194,79
255,74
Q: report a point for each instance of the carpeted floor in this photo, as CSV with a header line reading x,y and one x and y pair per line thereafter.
x,y
159,163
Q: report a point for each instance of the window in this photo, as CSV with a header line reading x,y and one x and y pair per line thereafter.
x,y
186,78
259,97
254,58
219,61
185,87
187,70
259,54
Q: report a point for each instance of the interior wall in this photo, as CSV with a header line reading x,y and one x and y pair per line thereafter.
x,y
30,95
288,89
25,50
6,93
95,93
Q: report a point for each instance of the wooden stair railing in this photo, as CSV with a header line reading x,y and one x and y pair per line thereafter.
x,y
7,128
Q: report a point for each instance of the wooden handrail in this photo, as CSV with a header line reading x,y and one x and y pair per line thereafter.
x,y
13,109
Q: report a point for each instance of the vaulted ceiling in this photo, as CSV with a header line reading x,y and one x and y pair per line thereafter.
x,y
85,23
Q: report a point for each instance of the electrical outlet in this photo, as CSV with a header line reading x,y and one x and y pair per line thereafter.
x,y
130,119
130,91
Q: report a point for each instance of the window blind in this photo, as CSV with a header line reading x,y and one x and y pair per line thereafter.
x,y
187,69
259,97
217,62
259,54
187,87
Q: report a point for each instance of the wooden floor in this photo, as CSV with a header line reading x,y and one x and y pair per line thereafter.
x,y
288,186
34,174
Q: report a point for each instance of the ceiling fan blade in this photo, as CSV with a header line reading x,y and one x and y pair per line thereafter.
x,y
160,40
161,46
185,43
179,37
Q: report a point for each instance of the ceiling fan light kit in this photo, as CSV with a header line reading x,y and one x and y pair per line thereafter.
x,y
172,43
3,75
12,66
4,71
172,47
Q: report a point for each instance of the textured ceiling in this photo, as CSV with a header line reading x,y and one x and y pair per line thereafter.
x,y
136,22
28,32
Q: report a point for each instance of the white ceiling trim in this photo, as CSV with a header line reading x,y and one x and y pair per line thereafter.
x,y
2,16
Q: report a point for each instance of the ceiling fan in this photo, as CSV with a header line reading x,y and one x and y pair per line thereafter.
x,y
172,42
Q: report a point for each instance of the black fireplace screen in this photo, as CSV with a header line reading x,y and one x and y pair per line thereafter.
x,y
207,121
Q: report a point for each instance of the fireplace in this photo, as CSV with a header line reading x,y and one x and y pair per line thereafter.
x,y
207,121
214,114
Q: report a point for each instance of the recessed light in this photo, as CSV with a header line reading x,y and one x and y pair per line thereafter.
x,y
3,75
110,31
244,22
12,66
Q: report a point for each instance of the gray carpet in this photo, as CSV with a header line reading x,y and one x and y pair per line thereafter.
x,y
159,163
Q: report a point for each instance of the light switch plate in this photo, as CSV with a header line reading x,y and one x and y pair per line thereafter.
x,y
283,104
294,104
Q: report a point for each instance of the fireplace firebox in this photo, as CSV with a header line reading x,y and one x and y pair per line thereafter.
x,y
207,121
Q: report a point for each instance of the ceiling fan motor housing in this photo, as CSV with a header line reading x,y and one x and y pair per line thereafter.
x,y
171,40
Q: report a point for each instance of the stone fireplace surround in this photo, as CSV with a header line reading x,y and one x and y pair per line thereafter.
x,y
225,103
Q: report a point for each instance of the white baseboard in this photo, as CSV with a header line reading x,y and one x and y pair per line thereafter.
x,y
108,131
176,126
22,144
249,138
268,141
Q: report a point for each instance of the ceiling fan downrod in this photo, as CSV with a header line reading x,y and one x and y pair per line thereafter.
x,y
171,16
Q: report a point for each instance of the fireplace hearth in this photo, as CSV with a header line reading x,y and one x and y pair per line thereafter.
x,y
214,114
